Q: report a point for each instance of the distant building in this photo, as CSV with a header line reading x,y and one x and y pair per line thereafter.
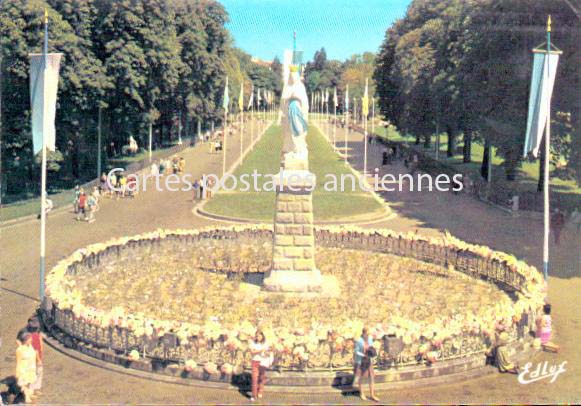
x,y
261,62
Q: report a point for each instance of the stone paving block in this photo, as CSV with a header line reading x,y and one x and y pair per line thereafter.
x,y
281,207
294,207
282,264
303,218
303,264
304,240
294,229
293,252
284,240
284,218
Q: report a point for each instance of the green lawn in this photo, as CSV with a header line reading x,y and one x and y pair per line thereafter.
x,y
64,197
265,158
32,206
528,174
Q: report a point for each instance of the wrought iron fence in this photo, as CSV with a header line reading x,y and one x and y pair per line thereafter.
x,y
167,347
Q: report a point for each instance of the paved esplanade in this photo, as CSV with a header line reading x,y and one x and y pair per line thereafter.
x,y
69,381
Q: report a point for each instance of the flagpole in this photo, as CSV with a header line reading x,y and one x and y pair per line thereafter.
x,y
546,210
99,147
364,100
335,125
43,168
354,118
373,116
241,106
150,137
327,97
224,144
365,148
346,133
180,127
252,122
199,130
225,106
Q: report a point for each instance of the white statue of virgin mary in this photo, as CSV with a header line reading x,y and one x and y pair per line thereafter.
x,y
295,113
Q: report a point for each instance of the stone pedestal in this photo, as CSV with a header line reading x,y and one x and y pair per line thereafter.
x,y
294,267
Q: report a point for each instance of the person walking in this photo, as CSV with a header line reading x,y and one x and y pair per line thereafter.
x,y
122,180
103,183
96,193
76,194
132,185
196,187
38,345
48,206
82,205
25,365
113,182
181,165
154,171
91,208
364,351
203,188
261,360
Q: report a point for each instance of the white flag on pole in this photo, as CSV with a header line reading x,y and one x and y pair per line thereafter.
x,y
542,81
251,100
43,96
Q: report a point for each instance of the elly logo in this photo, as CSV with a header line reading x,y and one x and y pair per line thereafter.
x,y
542,371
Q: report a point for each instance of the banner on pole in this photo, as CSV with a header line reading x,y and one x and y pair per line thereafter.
x,y
365,100
43,96
241,97
226,102
251,100
542,81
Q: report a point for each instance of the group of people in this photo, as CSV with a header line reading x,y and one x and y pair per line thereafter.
x,y
543,334
203,189
168,166
262,359
29,356
215,146
364,352
86,204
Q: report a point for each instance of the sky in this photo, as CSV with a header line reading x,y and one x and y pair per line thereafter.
x,y
264,28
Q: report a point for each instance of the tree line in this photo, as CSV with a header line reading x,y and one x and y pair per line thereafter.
x,y
141,62
323,74
463,67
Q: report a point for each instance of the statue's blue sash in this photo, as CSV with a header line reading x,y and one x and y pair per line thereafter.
x,y
297,121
